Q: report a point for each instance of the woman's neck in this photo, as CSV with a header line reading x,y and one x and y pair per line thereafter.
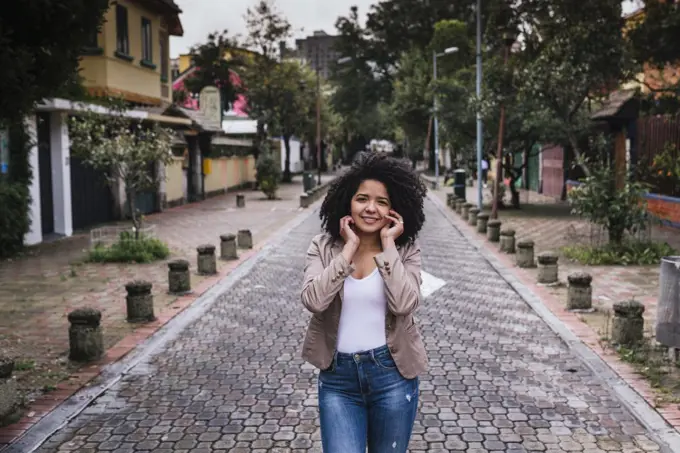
x,y
369,242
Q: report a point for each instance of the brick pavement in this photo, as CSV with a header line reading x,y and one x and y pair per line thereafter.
x,y
500,380
38,290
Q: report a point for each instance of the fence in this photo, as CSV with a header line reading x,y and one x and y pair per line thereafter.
x,y
654,135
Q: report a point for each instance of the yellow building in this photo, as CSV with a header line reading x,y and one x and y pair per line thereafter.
x,y
130,57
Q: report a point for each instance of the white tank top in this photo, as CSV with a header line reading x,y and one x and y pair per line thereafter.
x,y
362,318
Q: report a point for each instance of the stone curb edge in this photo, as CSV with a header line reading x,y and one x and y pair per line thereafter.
x,y
647,416
146,345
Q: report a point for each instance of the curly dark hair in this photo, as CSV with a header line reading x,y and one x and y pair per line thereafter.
x,y
404,187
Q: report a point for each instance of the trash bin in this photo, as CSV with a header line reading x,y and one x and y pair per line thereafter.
x,y
307,181
668,306
459,183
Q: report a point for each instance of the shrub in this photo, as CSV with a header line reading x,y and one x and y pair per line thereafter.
x,y
626,253
130,250
268,175
14,221
618,210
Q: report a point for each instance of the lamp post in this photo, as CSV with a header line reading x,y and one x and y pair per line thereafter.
x,y
478,90
435,55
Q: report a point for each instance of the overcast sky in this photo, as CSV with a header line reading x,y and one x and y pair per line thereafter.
x,y
201,17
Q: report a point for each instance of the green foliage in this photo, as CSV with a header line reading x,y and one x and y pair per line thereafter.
x,y
268,175
14,221
129,249
655,36
123,148
213,68
14,193
626,253
40,46
618,210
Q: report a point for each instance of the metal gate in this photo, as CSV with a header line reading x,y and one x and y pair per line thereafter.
x,y
91,199
146,202
553,170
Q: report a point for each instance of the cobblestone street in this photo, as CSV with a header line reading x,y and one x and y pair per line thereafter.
x,y
500,380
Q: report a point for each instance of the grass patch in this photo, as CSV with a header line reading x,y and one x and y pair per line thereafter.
x,y
126,250
628,253
24,365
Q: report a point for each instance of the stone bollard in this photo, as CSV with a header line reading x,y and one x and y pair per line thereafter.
x,y
628,324
493,230
9,395
465,210
472,216
245,239
179,277
525,254
207,263
228,247
547,268
459,206
86,341
139,302
240,200
482,221
450,200
508,241
579,293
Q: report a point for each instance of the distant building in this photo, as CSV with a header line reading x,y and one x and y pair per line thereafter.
x,y
318,51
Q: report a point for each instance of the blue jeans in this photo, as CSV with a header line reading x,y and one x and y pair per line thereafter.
x,y
364,401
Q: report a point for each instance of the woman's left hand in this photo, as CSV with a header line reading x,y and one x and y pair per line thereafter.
x,y
391,232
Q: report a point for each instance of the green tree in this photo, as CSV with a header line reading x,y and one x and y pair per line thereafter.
x,y
213,67
41,42
577,56
123,149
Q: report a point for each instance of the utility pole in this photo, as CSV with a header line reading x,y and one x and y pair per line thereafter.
x,y
499,150
318,118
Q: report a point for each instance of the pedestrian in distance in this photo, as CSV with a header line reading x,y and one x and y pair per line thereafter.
x,y
362,284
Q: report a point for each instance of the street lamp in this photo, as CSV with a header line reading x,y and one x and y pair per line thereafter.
x,y
435,55
478,90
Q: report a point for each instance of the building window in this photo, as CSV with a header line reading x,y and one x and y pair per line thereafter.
x,y
165,57
147,41
122,35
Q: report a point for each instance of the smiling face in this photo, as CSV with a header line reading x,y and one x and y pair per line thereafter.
x,y
370,206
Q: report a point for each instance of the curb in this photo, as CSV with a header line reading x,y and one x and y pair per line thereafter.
x,y
666,436
140,346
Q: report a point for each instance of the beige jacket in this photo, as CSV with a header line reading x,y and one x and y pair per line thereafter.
x,y
322,292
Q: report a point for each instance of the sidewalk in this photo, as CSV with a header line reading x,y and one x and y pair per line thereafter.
x,y
39,290
551,226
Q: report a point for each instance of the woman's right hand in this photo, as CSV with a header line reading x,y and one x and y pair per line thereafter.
x,y
347,233
350,237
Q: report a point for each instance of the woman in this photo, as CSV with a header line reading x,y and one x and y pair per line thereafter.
x,y
362,284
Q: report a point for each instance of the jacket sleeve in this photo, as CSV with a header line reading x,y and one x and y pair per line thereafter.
x,y
402,279
321,284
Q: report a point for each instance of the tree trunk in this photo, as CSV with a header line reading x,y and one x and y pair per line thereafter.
x,y
579,155
514,193
616,233
134,215
287,176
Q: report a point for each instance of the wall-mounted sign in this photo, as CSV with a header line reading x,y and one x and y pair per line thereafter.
x,y
4,151
210,103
